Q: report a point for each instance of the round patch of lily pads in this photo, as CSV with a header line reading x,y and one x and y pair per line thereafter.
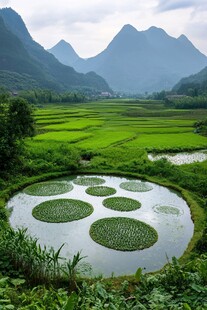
x,y
121,204
100,191
62,210
48,188
134,186
123,234
89,181
168,210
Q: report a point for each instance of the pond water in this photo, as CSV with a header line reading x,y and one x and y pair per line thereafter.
x,y
174,229
181,158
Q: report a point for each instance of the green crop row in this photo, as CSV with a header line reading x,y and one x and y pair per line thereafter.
x,y
75,125
63,136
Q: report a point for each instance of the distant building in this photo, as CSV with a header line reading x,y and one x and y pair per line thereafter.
x,y
105,94
170,97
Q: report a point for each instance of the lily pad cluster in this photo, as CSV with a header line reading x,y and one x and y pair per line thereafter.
x,y
62,210
122,233
168,210
48,188
121,204
119,233
89,181
134,186
100,191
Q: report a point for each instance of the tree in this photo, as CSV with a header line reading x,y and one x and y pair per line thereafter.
x,y
16,123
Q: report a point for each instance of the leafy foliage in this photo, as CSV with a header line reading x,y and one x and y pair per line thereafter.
x,y
16,123
122,233
62,210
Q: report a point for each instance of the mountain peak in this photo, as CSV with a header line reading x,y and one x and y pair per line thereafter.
x,y
15,24
155,31
64,52
183,39
128,28
63,42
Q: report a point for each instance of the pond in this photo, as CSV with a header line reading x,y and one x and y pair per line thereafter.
x,y
163,209
181,158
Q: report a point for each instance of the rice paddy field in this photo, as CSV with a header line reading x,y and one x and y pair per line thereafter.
x,y
128,124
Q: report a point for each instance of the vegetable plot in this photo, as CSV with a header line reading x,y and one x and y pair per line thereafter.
x,y
62,210
121,204
88,181
136,186
48,188
122,233
100,191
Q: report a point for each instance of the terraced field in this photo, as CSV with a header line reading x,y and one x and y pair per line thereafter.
x,y
128,124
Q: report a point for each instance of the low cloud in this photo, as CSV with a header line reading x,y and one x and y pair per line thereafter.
x,y
5,3
169,5
68,13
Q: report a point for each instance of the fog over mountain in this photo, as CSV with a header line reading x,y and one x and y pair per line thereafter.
x,y
20,54
139,61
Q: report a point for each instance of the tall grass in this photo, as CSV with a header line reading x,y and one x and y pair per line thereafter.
x,y
21,254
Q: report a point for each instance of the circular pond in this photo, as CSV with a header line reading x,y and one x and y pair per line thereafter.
x,y
163,210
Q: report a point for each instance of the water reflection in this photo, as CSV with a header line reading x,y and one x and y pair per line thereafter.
x,y
181,158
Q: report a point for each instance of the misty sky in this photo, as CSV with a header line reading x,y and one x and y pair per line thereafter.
x,y
89,25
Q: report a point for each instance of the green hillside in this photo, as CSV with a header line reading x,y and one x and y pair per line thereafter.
x,y
20,54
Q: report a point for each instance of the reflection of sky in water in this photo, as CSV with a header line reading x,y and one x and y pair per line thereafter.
x,y
174,232
181,158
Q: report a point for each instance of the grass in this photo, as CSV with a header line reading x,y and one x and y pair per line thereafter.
x,y
123,234
134,186
62,210
121,204
88,181
48,188
100,191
